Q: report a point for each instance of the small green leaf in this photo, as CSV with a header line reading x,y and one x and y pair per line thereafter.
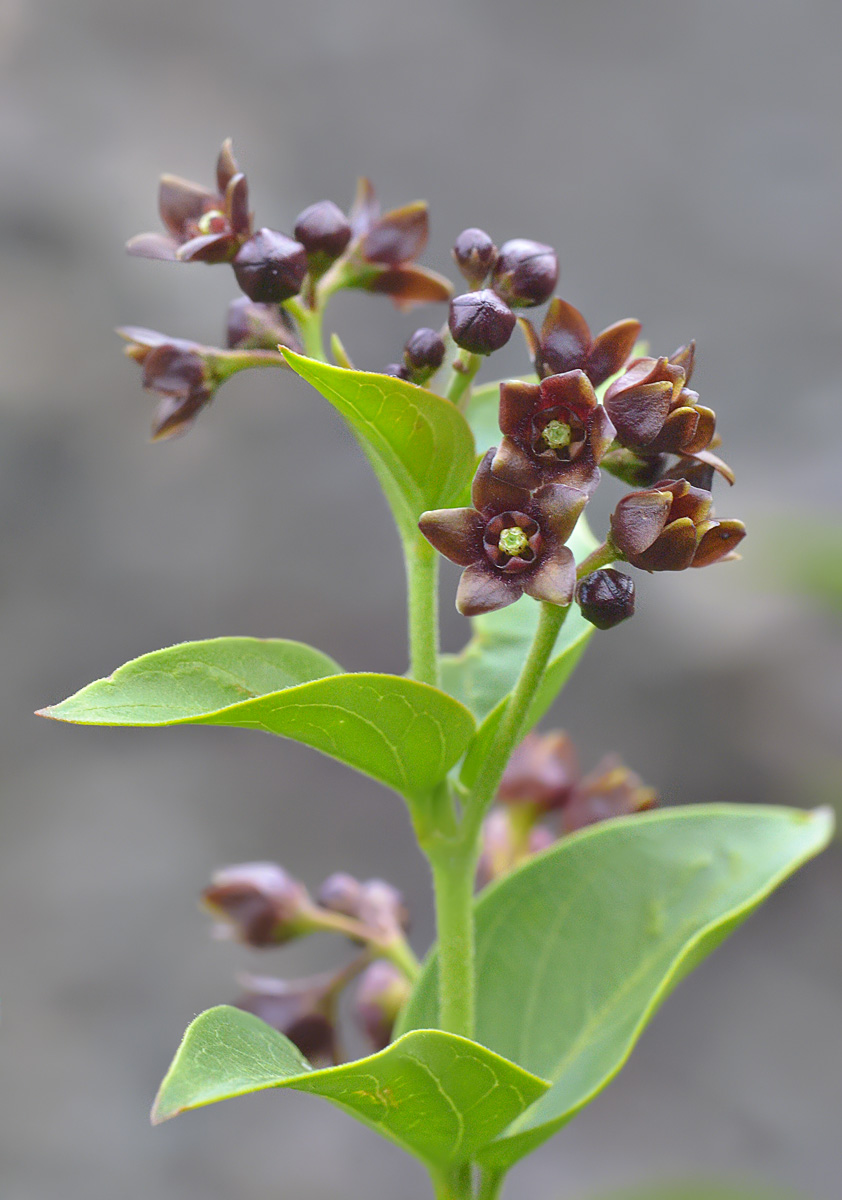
x,y
578,948
402,733
419,445
438,1096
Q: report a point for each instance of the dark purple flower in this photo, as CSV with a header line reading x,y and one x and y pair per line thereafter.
x,y
669,528
181,372
509,543
553,431
566,344
381,993
270,267
259,903
525,273
302,1010
611,790
541,772
202,225
653,410
253,326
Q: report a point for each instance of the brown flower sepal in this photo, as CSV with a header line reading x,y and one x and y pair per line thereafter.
x,y
554,431
654,411
511,542
180,372
669,528
202,225
566,344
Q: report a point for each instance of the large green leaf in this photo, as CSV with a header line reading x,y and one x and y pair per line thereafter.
x,y
440,1097
577,948
419,445
405,734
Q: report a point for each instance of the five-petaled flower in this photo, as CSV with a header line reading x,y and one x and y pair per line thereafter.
x,y
565,343
202,225
554,431
653,410
669,528
509,543
180,372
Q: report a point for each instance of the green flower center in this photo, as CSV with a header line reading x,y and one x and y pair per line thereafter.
x,y
211,221
557,435
513,541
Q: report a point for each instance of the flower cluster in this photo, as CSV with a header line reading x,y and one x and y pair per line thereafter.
x,y
262,906
544,796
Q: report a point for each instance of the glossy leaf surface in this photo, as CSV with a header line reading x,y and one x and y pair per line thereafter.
x,y
420,445
405,734
577,949
438,1096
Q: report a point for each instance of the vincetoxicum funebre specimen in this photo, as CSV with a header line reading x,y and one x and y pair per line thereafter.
x,y
592,901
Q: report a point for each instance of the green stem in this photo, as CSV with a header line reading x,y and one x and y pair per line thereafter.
x,y
225,363
491,1185
458,1185
465,367
309,321
511,725
422,572
603,556
453,882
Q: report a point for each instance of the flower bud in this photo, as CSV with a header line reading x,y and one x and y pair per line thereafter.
x,y
611,790
480,322
323,230
300,1010
504,846
525,273
258,327
270,267
606,597
382,908
540,773
340,893
423,354
258,904
381,993
475,255
397,370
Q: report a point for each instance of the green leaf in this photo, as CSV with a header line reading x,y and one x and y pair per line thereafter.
x,y
420,445
578,948
438,1096
402,733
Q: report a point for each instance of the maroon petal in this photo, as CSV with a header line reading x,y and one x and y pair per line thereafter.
x,y
175,415
685,357
533,346
513,465
677,432
399,236
455,532
638,520
482,589
639,412
208,248
489,492
571,390
152,245
704,430
565,338
672,551
237,204
554,579
601,434
366,208
226,166
142,337
718,542
557,508
518,401
180,201
173,369
712,460
611,350
411,285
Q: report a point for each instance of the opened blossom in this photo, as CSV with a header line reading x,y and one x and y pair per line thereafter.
x,y
202,224
670,528
554,431
510,543
565,343
653,410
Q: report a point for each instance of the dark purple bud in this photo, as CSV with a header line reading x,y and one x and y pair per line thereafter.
x,y
526,273
382,908
300,1010
480,322
475,255
381,993
423,354
258,904
398,370
341,893
323,230
540,773
270,267
606,597
259,327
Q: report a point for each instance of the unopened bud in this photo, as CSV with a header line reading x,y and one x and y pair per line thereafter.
x,y
300,1010
611,790
475,255
341,893
540,773
323,230
381,993
526,273
258,327
480,322
397,370
606,597
270,267
423,354
382,908
258,904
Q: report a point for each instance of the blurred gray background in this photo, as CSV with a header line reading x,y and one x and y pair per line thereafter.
x,y
684,157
